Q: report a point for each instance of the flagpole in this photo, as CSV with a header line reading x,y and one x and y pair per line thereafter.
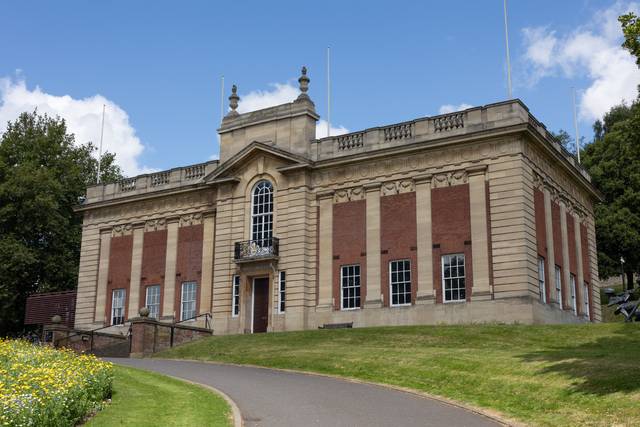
x,y
100,149
506,38
328,91
575,124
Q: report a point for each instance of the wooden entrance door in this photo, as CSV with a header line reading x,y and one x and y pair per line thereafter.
x,y
260,304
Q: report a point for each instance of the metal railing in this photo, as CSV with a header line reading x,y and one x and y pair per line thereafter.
x,y
256,249
207,320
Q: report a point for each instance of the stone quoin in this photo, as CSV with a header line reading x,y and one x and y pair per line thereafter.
x,y
474,216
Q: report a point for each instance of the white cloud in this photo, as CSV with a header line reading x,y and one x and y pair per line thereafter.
x,y
281,93
321,129
450,108
592,51
83,118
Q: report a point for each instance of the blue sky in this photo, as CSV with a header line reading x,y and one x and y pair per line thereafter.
x,y
157,65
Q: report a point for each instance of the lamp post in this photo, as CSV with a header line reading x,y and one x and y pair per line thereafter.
x,y
622,269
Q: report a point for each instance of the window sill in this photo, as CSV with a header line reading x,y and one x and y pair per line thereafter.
x,y
400,305
462,301
349,309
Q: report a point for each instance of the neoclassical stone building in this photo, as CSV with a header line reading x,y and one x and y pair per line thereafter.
x,y
474,216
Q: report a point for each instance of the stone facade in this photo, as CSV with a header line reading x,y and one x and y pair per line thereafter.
x,y
489,183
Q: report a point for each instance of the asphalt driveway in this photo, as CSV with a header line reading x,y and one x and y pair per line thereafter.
x,y
274,398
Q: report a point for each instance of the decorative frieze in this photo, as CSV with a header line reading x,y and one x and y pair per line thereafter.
x,y
417,162
121,230
348,194
155,224
449,179
397,187
559,196
191,219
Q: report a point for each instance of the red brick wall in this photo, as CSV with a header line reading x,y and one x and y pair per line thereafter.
x,y
349,244
541,238
398,238
557,249
154,255
451,231
188,262
119,270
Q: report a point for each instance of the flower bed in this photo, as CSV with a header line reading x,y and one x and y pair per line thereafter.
x,y
42,386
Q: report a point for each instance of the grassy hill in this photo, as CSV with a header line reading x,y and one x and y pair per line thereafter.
x,y
558,375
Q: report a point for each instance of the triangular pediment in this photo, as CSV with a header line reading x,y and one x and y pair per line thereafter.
x,y
230,168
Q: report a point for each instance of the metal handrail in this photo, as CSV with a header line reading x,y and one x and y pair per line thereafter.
x,y
90,332
207,316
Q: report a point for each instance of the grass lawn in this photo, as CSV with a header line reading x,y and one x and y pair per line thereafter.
x,y
559,375
142,398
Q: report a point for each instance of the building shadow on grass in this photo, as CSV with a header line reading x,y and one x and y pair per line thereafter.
x,y
606,365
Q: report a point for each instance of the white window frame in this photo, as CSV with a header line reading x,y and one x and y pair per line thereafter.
x,y
457,277
542,284
282,291
574,293
122,299
406,284
153,306
262,213
558,280
235,296
355,276
585,296
190,301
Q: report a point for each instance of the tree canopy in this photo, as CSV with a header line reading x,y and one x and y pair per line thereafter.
x,y
43,172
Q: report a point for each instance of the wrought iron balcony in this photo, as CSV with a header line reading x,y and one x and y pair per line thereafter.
x,y
250,250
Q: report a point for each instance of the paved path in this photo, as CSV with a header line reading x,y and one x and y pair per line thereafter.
x,y
274,398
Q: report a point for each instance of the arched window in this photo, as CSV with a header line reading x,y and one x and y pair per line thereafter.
x,y
262,214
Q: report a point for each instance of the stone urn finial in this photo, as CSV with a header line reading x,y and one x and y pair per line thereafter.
x,y
55,319
233,100
144,312
304,84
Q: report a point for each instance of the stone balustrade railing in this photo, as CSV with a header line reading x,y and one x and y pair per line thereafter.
x,y
141,184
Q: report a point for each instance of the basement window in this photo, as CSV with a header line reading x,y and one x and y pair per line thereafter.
x,y
453,278
400,282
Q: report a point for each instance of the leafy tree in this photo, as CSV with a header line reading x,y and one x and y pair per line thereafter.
x,y
631,30
613,160
42,175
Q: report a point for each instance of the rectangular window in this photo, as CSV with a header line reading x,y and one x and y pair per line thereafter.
x,y
350,286
153,301
559,285
453,278
117,306
282,286
188,300
585,298
400,282
235,299
541,284
574,291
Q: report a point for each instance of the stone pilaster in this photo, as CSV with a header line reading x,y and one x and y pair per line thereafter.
x,y
206,288
425,292
170,267
580,279
325,258
136,270
103,275
565,255
551,262
374,288
479,234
